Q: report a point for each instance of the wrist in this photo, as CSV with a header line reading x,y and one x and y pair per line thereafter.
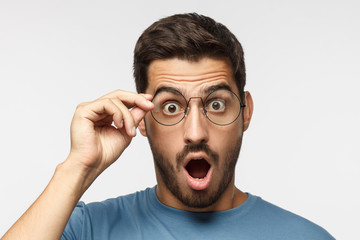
x,y
74,176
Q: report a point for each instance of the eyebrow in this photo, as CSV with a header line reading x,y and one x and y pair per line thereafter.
x,y
204,91
210,89
167,89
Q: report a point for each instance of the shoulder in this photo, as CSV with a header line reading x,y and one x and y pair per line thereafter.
x,y
291,224
110,208
97,220
118,204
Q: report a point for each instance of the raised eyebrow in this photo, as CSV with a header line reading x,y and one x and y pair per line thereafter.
x,y
167,89
213,88
206,91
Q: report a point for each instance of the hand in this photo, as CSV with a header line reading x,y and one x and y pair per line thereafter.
x,y
95,144
102,129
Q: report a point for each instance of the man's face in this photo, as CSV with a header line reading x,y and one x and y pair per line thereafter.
x,y
194,159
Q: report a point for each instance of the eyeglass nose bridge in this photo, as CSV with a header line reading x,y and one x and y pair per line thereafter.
x,y
187,109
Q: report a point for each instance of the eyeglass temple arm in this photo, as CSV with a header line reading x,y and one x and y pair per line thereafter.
x,y
244,104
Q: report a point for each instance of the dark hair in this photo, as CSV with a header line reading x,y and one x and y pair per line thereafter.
x,y
188,37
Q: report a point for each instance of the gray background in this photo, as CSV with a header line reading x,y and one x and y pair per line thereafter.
x,y
301,150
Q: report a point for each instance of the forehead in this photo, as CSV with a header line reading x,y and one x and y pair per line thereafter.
x,y
189,77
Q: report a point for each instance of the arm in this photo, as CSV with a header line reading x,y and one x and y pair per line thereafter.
x,y
95,145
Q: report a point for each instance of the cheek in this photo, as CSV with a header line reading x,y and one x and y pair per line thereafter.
x,y
164,138
225,138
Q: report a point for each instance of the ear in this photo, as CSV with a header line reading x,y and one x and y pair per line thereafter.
x,y
248,111
142,127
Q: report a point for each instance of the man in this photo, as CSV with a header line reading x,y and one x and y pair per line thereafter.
x,y
190,75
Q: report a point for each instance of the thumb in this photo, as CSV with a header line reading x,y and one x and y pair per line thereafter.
x,y
138,114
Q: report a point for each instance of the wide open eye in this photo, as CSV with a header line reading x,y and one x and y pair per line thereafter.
x,y
215,105
171,108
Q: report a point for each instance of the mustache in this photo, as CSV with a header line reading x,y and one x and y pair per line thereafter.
x,y
196,148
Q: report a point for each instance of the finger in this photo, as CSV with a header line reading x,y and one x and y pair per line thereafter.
x,y
100,110
129,122
138,114
118,93
130,99
147,96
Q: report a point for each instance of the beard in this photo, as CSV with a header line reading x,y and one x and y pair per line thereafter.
x,y
196,198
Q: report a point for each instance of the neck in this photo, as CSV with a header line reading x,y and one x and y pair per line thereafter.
x,y
230,198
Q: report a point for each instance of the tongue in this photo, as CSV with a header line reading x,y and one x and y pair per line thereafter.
x,y
198,168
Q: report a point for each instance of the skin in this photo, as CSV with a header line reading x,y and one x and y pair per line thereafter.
x,y
191,78
96,144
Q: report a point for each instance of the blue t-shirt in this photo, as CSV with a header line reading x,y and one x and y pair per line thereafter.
x,y
142,216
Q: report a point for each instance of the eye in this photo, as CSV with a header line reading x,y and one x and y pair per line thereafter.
x,y
171,108
216,105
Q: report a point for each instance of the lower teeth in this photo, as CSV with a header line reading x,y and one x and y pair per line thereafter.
x,y
201,179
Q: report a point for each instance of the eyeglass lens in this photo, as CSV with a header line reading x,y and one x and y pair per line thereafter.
x,y
221,107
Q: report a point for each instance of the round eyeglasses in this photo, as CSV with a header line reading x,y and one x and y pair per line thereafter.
x,y
221,107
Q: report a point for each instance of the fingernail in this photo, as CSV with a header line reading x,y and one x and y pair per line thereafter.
x,y
133,131
121,124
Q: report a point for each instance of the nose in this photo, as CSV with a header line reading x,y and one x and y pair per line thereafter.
x,y
195,125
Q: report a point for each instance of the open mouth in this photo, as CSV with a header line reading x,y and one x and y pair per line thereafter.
x,y
198,172
198,168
